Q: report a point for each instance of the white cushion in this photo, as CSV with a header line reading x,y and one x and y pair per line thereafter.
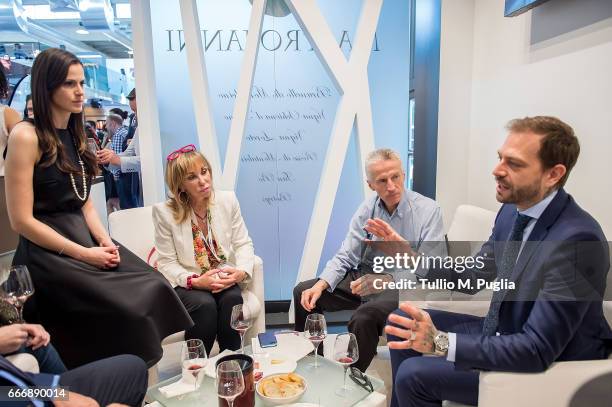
x,y
25,362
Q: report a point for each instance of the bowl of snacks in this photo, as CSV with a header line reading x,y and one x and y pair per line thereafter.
x,y
280,389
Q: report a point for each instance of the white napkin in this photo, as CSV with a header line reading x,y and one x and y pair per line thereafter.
x,y
176,389
209,370
288,344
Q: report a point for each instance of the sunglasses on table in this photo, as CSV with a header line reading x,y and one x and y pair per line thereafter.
x,y
362,380
175,154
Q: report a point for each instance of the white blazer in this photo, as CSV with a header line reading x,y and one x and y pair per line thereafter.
x,y
174,241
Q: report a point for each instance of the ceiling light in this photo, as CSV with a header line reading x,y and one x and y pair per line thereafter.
x,y
82,31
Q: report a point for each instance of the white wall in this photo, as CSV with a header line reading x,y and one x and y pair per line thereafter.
x,y
456,64
568,76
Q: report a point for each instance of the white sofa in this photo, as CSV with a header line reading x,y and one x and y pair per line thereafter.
x,y
555,386
133,228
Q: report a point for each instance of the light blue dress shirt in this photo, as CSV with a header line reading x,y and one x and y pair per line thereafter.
x,y
534,212
417,219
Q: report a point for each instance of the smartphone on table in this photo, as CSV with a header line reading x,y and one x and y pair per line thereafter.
x,y
267,339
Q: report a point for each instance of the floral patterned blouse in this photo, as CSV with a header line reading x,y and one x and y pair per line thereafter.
x,y
204,257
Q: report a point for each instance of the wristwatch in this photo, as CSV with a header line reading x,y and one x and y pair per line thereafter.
x,y
441,344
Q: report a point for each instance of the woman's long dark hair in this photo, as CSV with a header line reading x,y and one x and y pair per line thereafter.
x,y
49,72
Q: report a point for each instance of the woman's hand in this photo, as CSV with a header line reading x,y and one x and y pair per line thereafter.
x,y
101,257
207,281
107,242
228,277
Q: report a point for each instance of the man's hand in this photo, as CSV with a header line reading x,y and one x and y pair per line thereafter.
x,y
107,156
76,400
12,337
392,242
418,330
311,296
38,337
364,285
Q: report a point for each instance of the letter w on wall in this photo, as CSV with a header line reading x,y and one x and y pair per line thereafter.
x,y
350,77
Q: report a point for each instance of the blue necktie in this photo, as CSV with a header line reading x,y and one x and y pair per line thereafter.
x,y
508,261
10,377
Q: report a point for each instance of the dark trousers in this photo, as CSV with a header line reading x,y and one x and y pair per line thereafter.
x,y
128,189
48,359
120,379
426,381
367,322
211,314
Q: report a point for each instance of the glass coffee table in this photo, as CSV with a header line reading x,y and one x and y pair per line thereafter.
x,y
322,383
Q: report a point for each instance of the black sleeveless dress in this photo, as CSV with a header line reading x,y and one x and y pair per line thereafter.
x,y
93,313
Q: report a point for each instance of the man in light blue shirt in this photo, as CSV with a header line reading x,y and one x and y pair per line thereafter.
x,y
417,218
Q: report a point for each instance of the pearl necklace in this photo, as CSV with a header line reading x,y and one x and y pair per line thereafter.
x,y
84,197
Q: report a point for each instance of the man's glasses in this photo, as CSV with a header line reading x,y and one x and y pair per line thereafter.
x,y
361,379
187,149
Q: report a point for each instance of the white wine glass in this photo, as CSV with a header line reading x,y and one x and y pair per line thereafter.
x,y
346,352
241,321
315,330
17,287
193,361
229,380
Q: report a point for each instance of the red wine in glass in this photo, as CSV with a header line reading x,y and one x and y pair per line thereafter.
x,y
345,360
316,339
241,327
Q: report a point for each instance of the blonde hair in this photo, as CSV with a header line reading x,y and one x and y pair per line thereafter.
x,y
382,154
176,173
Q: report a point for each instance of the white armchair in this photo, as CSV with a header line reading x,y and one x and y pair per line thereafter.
x,y
25,362
122,227
553,387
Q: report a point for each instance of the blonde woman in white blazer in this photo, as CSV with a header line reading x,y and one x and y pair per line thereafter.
x,y
204,247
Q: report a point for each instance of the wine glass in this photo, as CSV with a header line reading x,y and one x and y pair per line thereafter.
x,y
229,380
346,352
193,361
241,321
315,330
17,287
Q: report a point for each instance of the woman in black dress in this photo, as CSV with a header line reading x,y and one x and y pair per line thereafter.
x,y
95,298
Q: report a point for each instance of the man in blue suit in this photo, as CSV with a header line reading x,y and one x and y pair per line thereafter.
x,y
550,259
119,379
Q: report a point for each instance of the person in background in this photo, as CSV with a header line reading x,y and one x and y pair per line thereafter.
x,y
127,162
133,123
28,111
117,133
84,282
8,119
209,269
136,180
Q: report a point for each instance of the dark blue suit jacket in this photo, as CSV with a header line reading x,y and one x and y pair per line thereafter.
x,y
555,312
30,379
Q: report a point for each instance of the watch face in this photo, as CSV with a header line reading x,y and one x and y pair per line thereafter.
x,y
441,342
